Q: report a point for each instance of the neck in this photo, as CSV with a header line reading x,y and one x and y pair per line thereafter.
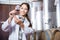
x,y
23,16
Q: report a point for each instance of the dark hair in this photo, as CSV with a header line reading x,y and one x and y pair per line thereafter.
x,y
28,6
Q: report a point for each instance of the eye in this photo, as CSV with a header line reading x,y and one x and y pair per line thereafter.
x,y
21,7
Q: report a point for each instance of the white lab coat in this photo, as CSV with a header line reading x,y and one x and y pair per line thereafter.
x,y
13,28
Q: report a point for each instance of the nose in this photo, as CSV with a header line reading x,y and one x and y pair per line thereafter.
x,y
23,10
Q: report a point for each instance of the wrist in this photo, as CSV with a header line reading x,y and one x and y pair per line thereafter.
x,y
9,19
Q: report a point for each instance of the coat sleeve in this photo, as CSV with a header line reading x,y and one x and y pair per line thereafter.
x,y
5,26
8,26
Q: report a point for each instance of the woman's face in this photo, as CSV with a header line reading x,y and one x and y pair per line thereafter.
x,y
23,10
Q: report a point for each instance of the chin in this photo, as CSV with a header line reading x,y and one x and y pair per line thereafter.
x,y
23,15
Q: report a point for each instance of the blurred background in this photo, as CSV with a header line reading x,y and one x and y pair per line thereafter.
x,y
44,14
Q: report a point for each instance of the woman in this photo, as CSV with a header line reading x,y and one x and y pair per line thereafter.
x,y
18,24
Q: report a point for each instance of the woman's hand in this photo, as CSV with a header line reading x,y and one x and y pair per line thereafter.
x,y
19,22
11,15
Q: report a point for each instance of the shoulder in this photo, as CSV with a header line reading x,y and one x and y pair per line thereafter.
x,y
26,20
